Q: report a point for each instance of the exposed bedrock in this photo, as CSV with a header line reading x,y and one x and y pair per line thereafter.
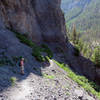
x,y
40,19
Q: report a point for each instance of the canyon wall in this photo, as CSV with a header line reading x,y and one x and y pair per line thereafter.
x,y
42,20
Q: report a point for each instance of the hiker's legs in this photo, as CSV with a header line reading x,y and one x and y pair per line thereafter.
x,y
22,69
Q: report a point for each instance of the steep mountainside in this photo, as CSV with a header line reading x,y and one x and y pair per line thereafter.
x,y
73,8
85,14
44,81
39,19
22,23
46,24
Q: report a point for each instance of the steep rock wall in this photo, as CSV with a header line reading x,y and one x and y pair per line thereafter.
x,y
40,19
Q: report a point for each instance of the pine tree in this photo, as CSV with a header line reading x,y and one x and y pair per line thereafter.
x,y
96,56
75,35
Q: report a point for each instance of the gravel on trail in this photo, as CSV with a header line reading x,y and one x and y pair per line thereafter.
x,y
54,84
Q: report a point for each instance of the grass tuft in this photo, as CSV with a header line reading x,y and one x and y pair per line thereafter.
x,y
13,80
48,76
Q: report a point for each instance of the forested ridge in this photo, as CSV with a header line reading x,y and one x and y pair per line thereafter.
x,y
85,14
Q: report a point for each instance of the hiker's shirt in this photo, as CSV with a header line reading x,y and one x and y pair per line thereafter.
x,y
22,65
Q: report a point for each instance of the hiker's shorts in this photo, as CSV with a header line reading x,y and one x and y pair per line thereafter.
x,y
22,68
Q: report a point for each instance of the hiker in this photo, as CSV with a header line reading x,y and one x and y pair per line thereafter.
x,y
22,66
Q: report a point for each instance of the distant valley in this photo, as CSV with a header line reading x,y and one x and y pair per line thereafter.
x,y
85,14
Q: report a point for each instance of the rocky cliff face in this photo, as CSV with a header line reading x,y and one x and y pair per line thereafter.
x,y
40,19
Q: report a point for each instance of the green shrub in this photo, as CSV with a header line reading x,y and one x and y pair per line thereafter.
x,y
89,86
36,50
24,40
96,56
47,59
49,76
37,53
47,50
80,44
13,80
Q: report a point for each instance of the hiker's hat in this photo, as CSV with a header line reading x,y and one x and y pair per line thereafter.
x,y
22,58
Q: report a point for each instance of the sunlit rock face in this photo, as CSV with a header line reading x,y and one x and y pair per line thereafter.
x,y
40,19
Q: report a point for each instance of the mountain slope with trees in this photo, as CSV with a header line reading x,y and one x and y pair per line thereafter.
x,y
85,14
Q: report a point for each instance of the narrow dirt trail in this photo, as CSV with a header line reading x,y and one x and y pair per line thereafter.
x,y
53,85
21,90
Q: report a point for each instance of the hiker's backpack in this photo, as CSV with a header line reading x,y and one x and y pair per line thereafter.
x,y
19,63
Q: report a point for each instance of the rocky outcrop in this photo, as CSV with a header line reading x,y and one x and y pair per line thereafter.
x,y
41,20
